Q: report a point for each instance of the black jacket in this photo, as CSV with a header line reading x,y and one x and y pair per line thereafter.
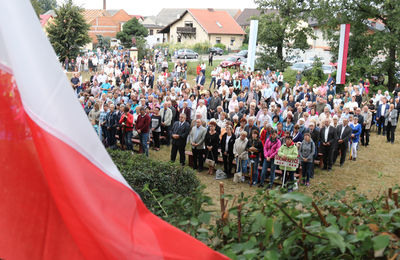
x,y
331,135
346,133
112,119
230,144
183,131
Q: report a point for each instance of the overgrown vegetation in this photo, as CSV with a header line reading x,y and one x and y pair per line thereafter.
x,y
275,224
144,174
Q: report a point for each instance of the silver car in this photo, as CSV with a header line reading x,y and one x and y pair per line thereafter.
x,y
301,66
187,54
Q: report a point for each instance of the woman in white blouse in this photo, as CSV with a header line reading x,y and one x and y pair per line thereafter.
x,y
232,104
202,109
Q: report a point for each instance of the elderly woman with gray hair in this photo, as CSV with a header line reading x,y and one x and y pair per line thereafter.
x,y
306,152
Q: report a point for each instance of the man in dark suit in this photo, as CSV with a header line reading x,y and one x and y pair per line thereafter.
x,y
343,134
200,80
327,137
179,133
380,116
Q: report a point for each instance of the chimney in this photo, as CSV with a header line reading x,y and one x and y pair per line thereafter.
x,y
210,9
104,4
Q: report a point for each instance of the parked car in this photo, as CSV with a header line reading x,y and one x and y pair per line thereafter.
x,y
232,62
312,59
187,54
328,69
242,53
301,66
216,51
294,59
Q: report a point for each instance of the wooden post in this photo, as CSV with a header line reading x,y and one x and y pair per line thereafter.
x,y
396,199
239,221
221,194
390,193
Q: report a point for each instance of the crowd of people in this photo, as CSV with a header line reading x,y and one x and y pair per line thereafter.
x,y
245,117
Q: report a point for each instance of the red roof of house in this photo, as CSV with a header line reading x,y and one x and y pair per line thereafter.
x,y
44,18
216,22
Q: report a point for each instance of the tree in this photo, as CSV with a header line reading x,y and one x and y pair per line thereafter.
x,y
36,6
130,29
281,30
69,32
367,41
47,5
103,42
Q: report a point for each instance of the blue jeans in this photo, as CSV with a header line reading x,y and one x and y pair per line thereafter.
x,y
306,170
255,168
243,165
144,137
265,167
128,140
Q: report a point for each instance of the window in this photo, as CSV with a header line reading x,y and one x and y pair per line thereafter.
x,y
151,32
217,39
188,24
219,25
232,40
179,39
158,39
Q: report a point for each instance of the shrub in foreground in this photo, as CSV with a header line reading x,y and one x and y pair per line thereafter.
x,y
144,175
274,224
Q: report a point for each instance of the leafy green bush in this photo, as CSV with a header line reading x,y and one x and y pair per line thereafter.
x,y
201,48
220,45
163,177
289,76
276,225
270,224
315,75
244,47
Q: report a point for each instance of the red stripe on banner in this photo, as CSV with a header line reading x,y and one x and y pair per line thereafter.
x,y
345,51
56,204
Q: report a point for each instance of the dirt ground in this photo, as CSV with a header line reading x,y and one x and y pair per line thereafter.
x,y
377,168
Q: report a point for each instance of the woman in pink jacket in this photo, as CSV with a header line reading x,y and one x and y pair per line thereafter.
x,y
271,147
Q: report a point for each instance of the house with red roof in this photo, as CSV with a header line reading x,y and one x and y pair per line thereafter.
x,y
106,22
205,25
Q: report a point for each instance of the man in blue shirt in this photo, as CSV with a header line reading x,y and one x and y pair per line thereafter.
x,y
105,87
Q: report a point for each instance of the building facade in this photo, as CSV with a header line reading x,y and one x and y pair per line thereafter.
x,y
205,25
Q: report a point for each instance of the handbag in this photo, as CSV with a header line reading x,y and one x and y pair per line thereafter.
x,y
237,177
209,162
135,133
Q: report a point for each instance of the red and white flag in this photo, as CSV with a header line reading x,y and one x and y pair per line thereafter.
x,y
343,50
61,196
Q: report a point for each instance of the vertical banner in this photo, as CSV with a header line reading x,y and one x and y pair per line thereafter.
x,y
342,57
251,56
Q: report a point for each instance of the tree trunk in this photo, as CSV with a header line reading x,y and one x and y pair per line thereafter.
x,y
279,52
391,69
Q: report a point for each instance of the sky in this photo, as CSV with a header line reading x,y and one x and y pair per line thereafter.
x,y
152,7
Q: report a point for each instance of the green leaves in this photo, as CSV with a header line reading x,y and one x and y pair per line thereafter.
x,y
69,31
272,225
297,196
335,239
380,243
